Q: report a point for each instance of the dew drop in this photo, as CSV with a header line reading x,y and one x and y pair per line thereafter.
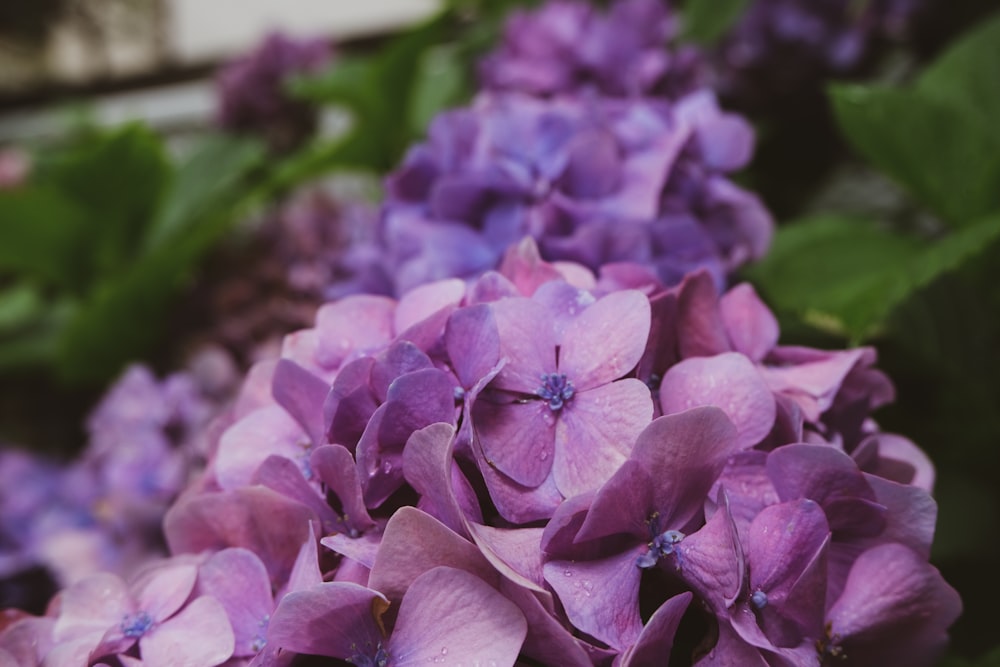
x,y
567,573
387,467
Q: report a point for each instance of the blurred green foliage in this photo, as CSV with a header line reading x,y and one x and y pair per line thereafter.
x,y
107,230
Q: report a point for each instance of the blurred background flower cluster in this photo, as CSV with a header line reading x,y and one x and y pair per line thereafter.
x,y
181,187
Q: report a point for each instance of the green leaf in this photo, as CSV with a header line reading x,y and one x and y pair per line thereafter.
x,y
946,157
41,235
212,177
705,21
117,178
848,275
968,74
440,83
19,306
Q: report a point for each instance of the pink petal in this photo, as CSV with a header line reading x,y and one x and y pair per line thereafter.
x,y
596,432
427,466
248,442
239,581
162,591
331,619
518,438
91,606
198,636
751,326
415,542
421,302
351,325
527,340
601,597
606,340
451,617
728,381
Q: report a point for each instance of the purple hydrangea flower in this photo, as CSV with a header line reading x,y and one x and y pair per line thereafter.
x,y
568,46
252,95
592,180
779,46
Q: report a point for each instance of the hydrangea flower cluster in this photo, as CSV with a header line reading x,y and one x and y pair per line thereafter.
x,y
102,512
567,46
546,465
252,95
592,179
780,45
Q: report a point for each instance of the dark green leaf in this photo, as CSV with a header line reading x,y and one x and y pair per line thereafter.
x,y
440,83
211,178
19,306
705,21
42,234
117,178
968,74
848,275
944,156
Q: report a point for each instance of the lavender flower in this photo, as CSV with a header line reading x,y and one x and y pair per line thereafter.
x,y
569,46
779,46
592,180
252,97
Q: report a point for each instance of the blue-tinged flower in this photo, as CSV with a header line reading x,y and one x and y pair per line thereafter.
x,y
592,180
568,46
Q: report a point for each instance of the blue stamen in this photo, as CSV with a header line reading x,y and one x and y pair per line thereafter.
x,y
555,389
661,546
137,624
380,659
759,599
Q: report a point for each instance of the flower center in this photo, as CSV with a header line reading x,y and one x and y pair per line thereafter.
x,y
759,599
662,545
556,389
379,659
137,624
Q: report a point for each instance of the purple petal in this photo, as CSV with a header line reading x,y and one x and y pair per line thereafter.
x,y
517,438
657,638
711,560
895,609
353,324
302,394
606,340
335,467
248,442
751,326
451,617
729,381
528,342
595,434
415,542
473,343
621,506
332,619
92,606
198,636
284,476
163,590
685,453
427,466
601,597
421,302
256,518
239,581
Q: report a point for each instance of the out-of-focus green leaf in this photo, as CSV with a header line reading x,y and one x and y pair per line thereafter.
x,y
848,275
705,21
212,177
947,158
440,84
968,74
386,93
19,306
43,235
117,177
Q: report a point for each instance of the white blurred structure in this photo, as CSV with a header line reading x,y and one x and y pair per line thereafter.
x,y
180,33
